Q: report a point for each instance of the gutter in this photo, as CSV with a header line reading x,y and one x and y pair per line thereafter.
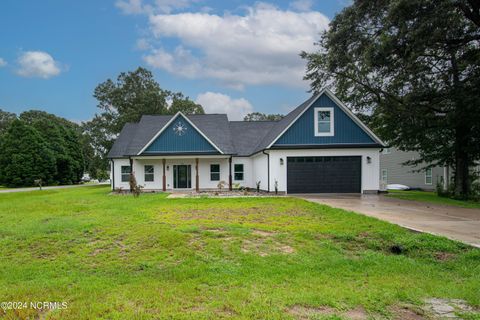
x,y
113,174
268,169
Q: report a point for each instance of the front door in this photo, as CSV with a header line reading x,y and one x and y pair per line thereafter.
x,y
182,176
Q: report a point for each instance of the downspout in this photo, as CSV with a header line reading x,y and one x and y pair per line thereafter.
x,y
268,169
131,171
230,173
113,174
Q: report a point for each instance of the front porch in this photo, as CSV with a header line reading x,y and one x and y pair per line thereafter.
x,y
174,173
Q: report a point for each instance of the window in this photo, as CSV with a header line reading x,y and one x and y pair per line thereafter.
x,y
214,172
149,172
384,175
323,122
126,173
428,176
238,172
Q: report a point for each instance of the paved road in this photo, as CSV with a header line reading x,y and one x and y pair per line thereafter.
x,y
52,187
462,224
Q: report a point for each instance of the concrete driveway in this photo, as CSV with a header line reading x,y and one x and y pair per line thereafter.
x,y
462,224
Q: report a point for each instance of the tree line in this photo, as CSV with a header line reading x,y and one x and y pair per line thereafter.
x,y
37,145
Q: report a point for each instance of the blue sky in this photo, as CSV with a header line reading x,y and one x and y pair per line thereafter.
x,y
230,56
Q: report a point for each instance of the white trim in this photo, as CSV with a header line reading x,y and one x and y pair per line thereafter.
x,y
386,175
431,176
339,104
331,133
168,123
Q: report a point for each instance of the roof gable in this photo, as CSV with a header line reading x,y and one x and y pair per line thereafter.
x,y
348,129
179,135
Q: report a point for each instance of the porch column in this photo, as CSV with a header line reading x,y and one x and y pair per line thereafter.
x,y
197,180
164,179
230,173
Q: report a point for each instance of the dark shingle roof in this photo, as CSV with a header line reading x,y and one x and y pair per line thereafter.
x,y
146,130
120,146
247,134
216,128
232,137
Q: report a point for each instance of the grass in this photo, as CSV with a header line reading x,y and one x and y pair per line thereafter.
x,y
119,257
431,197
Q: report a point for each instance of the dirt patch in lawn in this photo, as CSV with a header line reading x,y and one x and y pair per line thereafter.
x,y
358,313
304,313
263,214
264,244
406,313
444,256
263,233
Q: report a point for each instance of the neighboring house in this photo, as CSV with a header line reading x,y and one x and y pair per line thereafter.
x,y
393,171
319,147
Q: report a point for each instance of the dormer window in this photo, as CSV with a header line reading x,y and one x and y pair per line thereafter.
x,y
323,122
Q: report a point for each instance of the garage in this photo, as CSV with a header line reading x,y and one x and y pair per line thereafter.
x,y
336,174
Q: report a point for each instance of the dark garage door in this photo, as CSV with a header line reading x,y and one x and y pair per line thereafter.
x,y
324,174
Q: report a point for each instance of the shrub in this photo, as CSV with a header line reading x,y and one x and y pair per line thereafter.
x,y
221,184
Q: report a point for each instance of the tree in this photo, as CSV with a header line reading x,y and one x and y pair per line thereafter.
x,y
25,156
258,116
133,94
185,105
415,65
5,119
63,138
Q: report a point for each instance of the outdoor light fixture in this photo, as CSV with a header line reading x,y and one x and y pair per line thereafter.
x,y
168,168
369,160
281,161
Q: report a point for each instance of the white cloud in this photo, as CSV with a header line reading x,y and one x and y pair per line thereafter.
x,y
214,102
151,7
37,64
260,47
301,5
3,63
143,44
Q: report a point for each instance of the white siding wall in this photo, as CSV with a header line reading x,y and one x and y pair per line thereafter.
x,y
247,172
203,171
118,163
370,171
255,169
260,173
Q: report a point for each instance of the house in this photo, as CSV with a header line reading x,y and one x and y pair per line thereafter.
x,y
394,171
319,147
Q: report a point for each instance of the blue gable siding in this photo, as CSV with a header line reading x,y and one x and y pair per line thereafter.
x,y
191,141
346,131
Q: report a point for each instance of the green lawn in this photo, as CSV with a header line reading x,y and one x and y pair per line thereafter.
x,y
119,257
432,197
